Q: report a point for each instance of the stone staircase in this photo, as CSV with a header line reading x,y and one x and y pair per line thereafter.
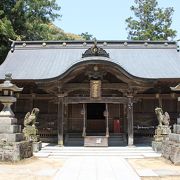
x,y
54,151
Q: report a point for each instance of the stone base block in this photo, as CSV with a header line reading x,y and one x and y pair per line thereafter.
x,y
10,128
178,120
15,151
37,146
8,120
174,137
166,149
157,146
176,128
16,137
171,151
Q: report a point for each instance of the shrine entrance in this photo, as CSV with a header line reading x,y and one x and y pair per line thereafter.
x,y
96,121
95,101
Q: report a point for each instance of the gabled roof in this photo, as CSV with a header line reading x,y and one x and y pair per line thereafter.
x,y
39,60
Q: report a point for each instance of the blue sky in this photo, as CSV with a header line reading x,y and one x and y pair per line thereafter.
x,y
105,19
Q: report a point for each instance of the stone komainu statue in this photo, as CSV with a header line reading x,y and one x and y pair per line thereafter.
x,y
163,119
30,131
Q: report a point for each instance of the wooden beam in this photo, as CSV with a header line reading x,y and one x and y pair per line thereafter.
x,y
75,86
78,100
154,96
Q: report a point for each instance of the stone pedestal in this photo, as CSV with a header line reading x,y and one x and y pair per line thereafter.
x,y
15,151
171,146
31,134
161,134
13,146
37,146
157,146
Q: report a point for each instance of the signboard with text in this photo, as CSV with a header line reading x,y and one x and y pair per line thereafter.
x,y
95,89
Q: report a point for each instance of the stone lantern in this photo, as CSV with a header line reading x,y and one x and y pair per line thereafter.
x,y
7,98
13,146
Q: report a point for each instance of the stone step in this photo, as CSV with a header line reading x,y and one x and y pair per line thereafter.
x,y
16,137
10,128
83,152
95,153
73,149
94,149
178,120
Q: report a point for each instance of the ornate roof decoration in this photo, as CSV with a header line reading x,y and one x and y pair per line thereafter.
x,y
95,51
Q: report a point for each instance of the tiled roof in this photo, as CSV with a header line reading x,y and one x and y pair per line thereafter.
x,y
46,60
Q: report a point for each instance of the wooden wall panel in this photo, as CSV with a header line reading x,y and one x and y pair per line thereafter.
x,y
23,106
42,105
75,119
169,105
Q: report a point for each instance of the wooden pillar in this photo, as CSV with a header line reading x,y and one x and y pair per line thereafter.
x,y
107,121
130,120
84,120
124,118
60,120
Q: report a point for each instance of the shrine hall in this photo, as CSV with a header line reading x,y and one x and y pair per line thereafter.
x,y
94,93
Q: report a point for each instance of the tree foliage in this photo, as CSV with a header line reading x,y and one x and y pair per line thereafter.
x,y
25,20
150,22
29,20
87,36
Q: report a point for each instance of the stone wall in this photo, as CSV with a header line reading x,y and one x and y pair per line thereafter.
x,y
171,146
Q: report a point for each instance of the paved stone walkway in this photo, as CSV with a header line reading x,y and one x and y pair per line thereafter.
x,y
96,168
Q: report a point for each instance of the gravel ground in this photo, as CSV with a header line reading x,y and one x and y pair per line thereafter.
x,y
46,169
155,169
31,169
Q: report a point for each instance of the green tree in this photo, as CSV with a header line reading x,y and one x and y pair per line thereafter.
x,y
25,20
87,36
6,32
150,22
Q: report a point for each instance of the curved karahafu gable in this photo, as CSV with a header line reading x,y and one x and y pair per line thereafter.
x,y
40,60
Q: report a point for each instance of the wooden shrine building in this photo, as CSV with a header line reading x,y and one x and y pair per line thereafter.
x,y
99,93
